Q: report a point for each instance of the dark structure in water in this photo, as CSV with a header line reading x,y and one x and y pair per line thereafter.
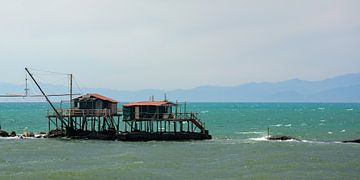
x,y
93,116
161,120
352,141
281,138
90,115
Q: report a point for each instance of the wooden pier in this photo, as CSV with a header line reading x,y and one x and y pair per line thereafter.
x,y
86,120
93,116
142,121
161,120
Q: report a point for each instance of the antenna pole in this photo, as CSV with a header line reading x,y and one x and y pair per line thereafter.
x,y
71,78
26,85
176,110
185,108
47,99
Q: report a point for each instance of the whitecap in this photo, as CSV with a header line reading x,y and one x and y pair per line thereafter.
x,y
321,124
249,132
315,142
350,109
330,132
343,130
277,125
18,137
264,138
321,108
287,125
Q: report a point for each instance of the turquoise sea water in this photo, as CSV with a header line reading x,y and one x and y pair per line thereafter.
x,y
237,151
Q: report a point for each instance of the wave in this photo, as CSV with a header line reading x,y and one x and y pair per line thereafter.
x,y
264,138
36,136
16,137
250,132
277,125
280,125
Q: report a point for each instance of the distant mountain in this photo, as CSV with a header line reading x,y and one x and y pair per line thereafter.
x,y
344,88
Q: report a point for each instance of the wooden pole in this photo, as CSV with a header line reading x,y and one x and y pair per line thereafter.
x,y
47,99
49,123
70,105
118,124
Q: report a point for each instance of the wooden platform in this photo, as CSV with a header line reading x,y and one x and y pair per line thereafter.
x,y
133,136
179,136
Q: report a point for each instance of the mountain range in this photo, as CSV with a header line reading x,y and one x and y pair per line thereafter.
x,y
345,88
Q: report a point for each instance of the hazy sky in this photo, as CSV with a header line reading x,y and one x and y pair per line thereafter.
x,y
179,44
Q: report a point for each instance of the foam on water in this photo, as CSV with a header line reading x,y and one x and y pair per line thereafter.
x,y
277,125
264,138
250,132
17,137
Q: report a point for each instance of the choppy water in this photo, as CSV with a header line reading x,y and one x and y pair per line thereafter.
x,y
238,150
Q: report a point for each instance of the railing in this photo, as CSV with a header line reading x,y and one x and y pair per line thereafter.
x,y
168,116
80,112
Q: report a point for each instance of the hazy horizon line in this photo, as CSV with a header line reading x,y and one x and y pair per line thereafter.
x,y
203,85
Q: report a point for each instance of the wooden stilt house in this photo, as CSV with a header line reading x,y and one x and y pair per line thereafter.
x,y
89,114
163,120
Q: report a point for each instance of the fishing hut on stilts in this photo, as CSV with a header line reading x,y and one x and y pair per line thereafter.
x,y
161,120
90,116
94,116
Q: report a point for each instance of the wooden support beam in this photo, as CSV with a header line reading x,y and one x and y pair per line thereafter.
x,y
98,119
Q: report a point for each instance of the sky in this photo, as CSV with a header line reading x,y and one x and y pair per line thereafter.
x,y
133,45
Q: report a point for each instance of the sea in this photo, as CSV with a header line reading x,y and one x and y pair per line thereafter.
x,y
238,150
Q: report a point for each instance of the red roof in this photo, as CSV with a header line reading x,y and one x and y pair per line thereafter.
x,y
149,103
98,96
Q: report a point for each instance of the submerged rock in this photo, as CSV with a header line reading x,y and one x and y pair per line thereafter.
x,y
281,138
55,133
352,141
4,133
39,135
28,134
12,134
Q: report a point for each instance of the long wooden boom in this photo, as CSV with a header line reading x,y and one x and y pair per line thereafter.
x,y
61,118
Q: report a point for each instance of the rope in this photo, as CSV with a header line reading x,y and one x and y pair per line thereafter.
x,y
53,72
